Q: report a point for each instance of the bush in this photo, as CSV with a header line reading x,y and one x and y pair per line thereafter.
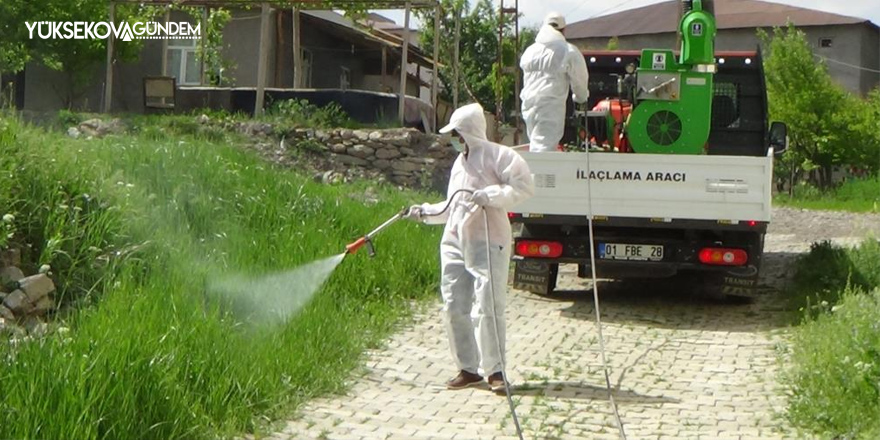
x,y
833,370
832,374
820,275
301,113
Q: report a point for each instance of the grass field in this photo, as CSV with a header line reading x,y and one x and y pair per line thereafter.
x,y
135,227
856,195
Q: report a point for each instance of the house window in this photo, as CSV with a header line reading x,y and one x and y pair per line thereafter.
x,y
183,62
826,42
345,78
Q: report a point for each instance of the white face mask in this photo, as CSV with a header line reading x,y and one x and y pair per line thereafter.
x,y
457,145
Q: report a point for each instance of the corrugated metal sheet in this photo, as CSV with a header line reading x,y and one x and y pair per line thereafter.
x,y
730,14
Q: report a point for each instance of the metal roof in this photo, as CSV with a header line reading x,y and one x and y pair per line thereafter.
x,y
730,14
347,29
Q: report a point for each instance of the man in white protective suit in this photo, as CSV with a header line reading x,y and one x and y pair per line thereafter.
x,y
486,180
551,66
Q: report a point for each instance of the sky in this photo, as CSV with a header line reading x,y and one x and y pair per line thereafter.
x,y
576,10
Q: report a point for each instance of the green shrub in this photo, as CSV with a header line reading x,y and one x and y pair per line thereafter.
x,y
832,374
820,275
301,113
832,377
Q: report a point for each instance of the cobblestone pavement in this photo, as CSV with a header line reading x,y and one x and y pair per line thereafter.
x,y
681,367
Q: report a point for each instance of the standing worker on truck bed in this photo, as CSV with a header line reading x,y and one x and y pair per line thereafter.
x,y
551,66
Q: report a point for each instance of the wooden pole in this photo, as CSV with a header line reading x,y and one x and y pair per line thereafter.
x,y
384,66
401,105
297,51
455,64
499,59
165,44
279,42
263,59
435,69
108,83
202,44
517,88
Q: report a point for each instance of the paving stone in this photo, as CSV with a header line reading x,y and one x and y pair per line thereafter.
x,y
681,368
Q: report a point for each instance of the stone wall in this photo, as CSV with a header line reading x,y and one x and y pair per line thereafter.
x,y
24,301
405,157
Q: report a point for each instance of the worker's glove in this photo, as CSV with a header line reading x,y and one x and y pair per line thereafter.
x,y
414,213
480,198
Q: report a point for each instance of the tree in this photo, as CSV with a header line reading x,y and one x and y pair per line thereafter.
x,y
76,58
827,126
478,52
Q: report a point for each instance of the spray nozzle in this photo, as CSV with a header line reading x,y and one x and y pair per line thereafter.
x,y
371,251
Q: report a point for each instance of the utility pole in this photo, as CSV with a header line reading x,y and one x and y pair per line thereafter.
x,y
455,63
507,70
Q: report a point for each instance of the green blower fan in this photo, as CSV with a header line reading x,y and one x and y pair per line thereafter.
x,y
673,111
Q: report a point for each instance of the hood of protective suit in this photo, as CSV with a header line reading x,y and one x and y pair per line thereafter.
x,y
547,34
470,122
487,166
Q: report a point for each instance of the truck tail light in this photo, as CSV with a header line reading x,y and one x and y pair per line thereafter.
x,y
540,249
723,256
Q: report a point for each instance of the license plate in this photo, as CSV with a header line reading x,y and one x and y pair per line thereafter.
x,y
623,251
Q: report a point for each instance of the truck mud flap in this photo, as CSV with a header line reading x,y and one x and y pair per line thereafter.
x,y
742,281
535,276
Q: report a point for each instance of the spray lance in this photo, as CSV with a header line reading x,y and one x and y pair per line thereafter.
x,y
368,239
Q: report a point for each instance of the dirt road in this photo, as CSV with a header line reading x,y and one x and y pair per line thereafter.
x,y
681,367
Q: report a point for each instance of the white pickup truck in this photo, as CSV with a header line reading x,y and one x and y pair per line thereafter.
x,y
658,215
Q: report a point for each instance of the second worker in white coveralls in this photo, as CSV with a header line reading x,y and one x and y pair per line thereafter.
x,y
551,66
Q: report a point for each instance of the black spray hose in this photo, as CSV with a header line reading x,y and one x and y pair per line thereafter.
x,y
449,203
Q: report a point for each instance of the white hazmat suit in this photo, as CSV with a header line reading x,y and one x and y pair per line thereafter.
x,y
500,179
550,67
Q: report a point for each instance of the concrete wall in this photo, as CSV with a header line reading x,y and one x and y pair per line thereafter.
x,y
50,90
241,47
857,45
870,56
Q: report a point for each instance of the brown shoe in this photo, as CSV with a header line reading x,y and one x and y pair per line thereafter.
x,y
496,381
464,380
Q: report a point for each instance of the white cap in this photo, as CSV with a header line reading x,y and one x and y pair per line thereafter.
x,y
556,20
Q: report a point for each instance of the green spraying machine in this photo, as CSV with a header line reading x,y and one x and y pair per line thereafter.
x,y
672,97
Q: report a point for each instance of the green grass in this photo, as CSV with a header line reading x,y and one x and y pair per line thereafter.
x,y
832,372
134,228
855,195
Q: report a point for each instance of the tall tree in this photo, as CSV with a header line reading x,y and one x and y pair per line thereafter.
x,y
828,126
478,52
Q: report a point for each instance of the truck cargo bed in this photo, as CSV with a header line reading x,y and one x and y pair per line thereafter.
x,y
727,189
